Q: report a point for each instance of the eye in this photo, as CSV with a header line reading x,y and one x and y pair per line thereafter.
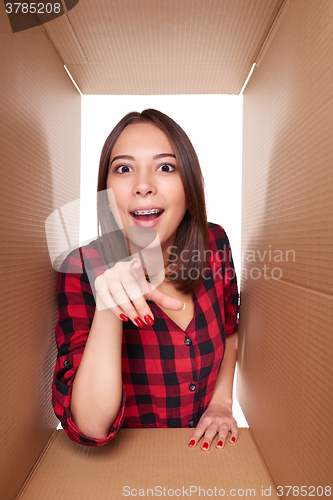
x,y
166,167
117,169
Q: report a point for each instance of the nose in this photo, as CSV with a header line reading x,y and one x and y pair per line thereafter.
x,y
144,184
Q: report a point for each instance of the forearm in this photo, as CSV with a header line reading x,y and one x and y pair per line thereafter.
x,y
97,387
222,394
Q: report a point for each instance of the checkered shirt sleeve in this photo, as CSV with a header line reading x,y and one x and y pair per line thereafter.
x,y
76,308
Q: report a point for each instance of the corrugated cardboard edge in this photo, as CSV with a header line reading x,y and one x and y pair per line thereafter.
x,y
276,23
37,464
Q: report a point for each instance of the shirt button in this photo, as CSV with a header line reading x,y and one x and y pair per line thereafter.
x,y
188,341
192,387
65,363
191,423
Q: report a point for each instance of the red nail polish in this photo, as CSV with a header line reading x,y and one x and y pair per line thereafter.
x,y
205,446
233,439
148,319
220,444
123,317
192,442
139,321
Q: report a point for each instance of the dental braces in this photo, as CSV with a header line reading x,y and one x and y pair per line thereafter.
x,y
147,212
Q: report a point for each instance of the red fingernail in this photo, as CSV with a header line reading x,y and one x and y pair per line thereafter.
x,y
123,317
192,442
139,321
233,439
149,320
205,446
220,444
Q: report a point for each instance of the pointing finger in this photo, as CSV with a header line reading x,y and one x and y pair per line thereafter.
x,y
166,301
139,275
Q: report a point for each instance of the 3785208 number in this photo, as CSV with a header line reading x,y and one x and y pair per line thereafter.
x,y
304,491
33,8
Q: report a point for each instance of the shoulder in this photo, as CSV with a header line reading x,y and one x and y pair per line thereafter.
x,y
218,239
81,259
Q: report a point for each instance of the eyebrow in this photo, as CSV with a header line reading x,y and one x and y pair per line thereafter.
x,y
122,157
163,155
156,157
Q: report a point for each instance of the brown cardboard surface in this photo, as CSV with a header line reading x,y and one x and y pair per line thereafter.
x,y
147,458
285,367
61,33
169,47
40,161
285,357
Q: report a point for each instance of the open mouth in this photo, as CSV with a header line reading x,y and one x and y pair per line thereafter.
x,y
145,215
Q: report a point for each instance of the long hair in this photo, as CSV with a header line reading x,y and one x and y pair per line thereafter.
x,y
192,232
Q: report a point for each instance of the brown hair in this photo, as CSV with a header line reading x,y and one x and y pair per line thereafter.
x,y
192,232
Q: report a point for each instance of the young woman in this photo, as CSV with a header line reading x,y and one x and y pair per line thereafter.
x,y
137,347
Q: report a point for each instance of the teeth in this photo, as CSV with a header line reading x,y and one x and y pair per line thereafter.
x,y
147,212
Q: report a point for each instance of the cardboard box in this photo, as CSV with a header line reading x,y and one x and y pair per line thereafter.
x,y
285,351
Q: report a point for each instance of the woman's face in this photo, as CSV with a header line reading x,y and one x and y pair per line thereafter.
x,y
146,183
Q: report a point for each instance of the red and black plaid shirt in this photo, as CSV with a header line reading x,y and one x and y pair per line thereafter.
x,y
168,374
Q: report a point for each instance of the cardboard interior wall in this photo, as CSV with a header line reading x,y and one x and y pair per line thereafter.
x,y
168,47
285,332
285,355
40,172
